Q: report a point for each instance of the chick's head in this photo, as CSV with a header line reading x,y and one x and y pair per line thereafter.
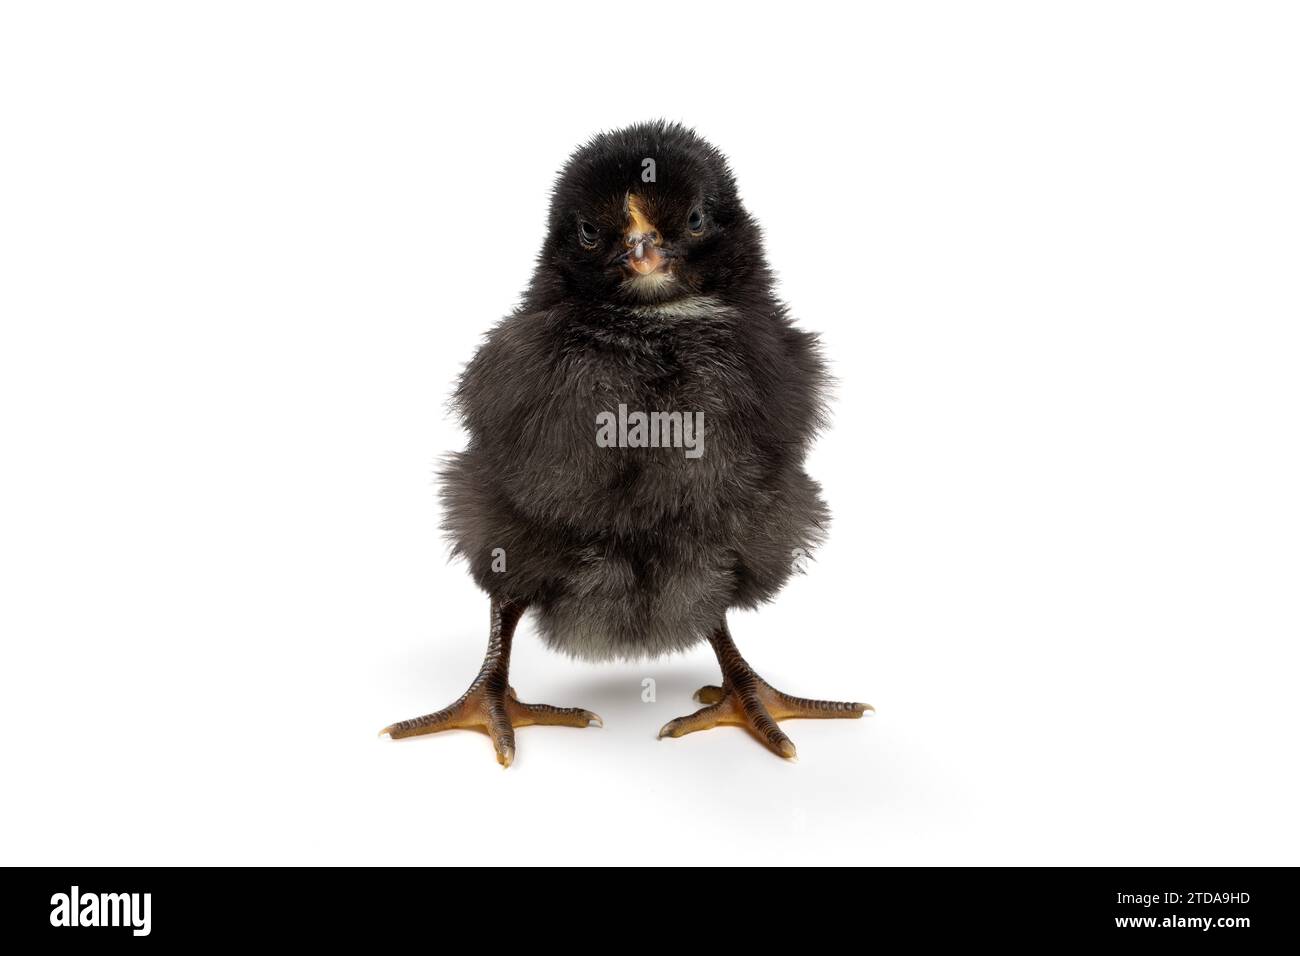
x,y
649,214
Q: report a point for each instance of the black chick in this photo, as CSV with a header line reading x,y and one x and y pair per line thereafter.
x,y
637,434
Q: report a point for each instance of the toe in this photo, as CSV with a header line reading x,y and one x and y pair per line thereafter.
x,y
709,694
767,730
501,732
702,719
785,706
524,715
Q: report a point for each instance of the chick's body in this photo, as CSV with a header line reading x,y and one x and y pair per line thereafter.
x,y
627,551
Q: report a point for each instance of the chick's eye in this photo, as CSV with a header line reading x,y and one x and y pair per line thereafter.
x,y
695,221
587,233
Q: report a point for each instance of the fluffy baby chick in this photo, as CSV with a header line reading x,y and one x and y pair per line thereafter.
x,y
637,434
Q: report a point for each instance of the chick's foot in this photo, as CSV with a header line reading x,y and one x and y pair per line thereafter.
x,y
491,705
746,700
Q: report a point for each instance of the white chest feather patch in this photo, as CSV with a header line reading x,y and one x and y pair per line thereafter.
x,y
695,307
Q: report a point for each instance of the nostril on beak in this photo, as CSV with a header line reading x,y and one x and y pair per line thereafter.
x,y
637,240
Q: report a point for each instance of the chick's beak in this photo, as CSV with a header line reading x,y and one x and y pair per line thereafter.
x,y
643,254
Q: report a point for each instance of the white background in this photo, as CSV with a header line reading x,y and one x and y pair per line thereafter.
x,y
245,249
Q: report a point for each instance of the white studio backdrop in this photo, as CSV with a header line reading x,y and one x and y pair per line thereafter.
x,y
245,249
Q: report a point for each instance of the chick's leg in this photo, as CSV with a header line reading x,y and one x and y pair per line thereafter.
x,y
746,700
490,704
